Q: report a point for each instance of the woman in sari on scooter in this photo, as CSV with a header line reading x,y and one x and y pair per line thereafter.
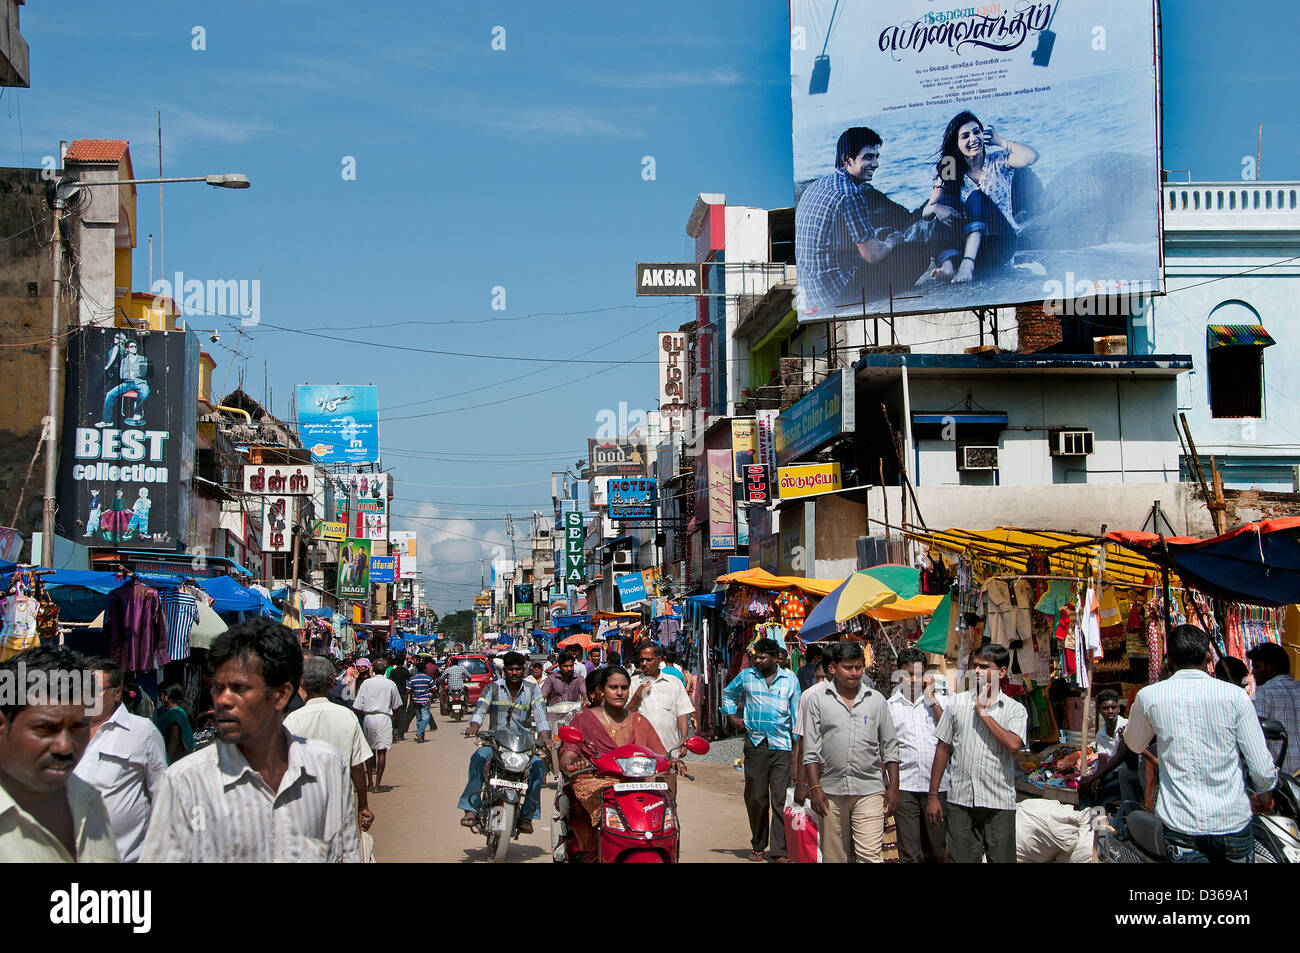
x,y
606,725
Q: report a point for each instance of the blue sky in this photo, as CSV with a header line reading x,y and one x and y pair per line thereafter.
x,y
478,168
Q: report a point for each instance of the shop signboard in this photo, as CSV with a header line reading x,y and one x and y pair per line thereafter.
x,y
722,509
811,479
671,278
370,486
821,415
673,400
621,457
277,520
575,554
744,444
339,423
631,589
1067,195
279,480
402,542
369,521
354,569
756,489
128,438
765,425
383,569
329,531
632,498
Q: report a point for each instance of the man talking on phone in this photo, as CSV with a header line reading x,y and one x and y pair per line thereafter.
x,y
978,736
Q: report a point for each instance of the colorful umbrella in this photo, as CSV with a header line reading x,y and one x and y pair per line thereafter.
x,y
877,588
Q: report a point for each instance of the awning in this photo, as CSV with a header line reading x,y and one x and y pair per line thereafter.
x,y
762,579
1258,563
1237,335
563,621
324,612
712,600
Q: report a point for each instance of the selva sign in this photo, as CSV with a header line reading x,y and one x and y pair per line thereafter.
x,y
128,437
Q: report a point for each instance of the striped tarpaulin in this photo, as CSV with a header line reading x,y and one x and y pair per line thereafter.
x,y
1238,335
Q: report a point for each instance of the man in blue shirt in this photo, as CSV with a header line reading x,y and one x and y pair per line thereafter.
x,y
767,699
507,701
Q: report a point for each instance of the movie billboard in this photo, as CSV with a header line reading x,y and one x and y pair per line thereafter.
x,y
339,423
128,438
354,569
971,156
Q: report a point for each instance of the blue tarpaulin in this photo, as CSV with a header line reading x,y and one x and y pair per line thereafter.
x,y
564,621
324,612
230,596
712,600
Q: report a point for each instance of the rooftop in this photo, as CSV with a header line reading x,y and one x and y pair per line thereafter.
x,y
97,150
937,365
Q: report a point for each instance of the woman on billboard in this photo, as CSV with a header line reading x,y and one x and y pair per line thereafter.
x,y
972,199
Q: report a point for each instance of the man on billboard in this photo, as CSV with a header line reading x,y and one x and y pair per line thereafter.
x,y
835,237
131,371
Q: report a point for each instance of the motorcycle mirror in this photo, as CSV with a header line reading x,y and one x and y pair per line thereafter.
x,y
573,736
697,745
1273,729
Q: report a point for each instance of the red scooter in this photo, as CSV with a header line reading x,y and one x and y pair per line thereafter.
x,y
638,815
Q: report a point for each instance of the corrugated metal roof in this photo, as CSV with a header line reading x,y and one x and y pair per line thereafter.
x,y
1238,335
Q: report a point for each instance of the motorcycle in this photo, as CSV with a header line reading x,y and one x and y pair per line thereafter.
x,y
1137,836
558,716
457,702
638,816
505,785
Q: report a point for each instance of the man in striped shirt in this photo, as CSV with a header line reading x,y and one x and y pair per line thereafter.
x,y
420,686
1206,729
259,794
1278,696
763,701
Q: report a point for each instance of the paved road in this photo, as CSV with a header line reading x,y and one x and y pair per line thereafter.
x,y
416,817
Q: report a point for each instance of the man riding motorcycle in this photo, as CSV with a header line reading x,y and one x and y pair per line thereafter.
x,y
507,701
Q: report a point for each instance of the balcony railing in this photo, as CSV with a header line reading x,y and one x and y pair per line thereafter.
x,y
1232,198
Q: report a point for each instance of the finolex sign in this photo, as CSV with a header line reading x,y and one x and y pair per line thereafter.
x,y
826,412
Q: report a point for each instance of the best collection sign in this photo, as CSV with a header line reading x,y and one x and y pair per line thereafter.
x,y
128,437
809,480
826,412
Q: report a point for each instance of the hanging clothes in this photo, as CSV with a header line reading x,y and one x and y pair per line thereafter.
x,y
1025,657
19,613
136,628
999,612
792,609
181,611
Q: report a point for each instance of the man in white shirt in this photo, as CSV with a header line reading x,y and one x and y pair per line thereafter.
x,y
1278,696
320,718
797,773
1206,729
660,697
47,813
259,794
916,710
124,761
377,701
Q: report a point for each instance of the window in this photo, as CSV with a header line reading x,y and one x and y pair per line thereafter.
x,y
1237,382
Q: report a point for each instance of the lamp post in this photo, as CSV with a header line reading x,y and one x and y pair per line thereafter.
x,y
64,189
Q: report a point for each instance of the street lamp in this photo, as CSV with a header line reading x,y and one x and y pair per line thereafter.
x,y
64,189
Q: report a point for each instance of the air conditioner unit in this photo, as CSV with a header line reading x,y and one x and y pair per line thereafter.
x,y
623,557
979,458
1072,443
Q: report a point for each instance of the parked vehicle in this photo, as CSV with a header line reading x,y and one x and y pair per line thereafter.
x,y
638,817
505,785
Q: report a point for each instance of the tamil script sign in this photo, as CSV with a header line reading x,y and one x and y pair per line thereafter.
x,y
279,481
982,152
632,498
277,514
673,406
383,569
339,423
823,414
668,279
809,480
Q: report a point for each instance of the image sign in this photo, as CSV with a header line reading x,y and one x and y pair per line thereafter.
x,y
128,438
952,153
354,569
339,423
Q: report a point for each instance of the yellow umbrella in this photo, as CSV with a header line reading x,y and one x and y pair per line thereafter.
x,y
862,593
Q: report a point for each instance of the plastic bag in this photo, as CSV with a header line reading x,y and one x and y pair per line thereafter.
x,y
802,831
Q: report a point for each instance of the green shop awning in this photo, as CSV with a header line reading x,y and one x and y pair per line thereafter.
x,y
1238,335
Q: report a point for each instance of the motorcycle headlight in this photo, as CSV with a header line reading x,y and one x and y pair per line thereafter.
x,y
612,820
515,760
638,767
